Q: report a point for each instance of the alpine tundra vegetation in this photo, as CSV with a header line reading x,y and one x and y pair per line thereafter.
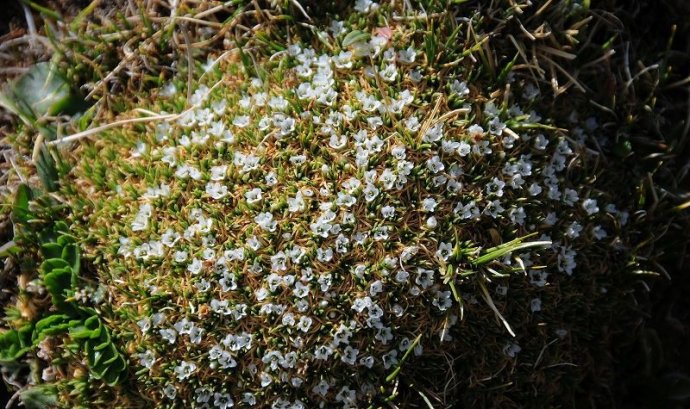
x,y
373,204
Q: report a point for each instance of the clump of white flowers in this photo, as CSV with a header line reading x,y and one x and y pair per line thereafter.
x,y
291,238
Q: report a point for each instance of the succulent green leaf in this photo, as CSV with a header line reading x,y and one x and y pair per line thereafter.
x,y
50,325
58,282
70,253
51,250
53,263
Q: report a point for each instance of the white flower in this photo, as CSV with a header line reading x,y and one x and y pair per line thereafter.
x,y
365,6
195,266
540,142
389,73
570,197
433,134
434,164
147,359
407,56
511,350
573,231
216,190
535,305
141,220
185,369
253,196
388,212
265,221
566,260
370,192
475,131
459,88
599,233
296,204
169,391
218,172
349,355
431,222
445,250
590,206
222,401
534,189
464,148
241,121
429,204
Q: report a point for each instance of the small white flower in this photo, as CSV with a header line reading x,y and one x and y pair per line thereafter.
x,y
388,212
433,134
535,305
253,196
141,220
464,149
241,121
365,6
195,266
445,250
412,124
574,230
511,350
389,73
434,164
534,189
459,88
590,206
407,56
429,204
599,233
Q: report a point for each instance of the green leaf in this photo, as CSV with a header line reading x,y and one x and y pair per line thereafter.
x,y
65,239
355,36
51,325
51,250
14,344
51,264
70,253
513,245
40,91
91,329
40,396
47,169
58,282
20,207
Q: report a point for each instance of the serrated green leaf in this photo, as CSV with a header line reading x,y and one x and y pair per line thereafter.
x,y
55,328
